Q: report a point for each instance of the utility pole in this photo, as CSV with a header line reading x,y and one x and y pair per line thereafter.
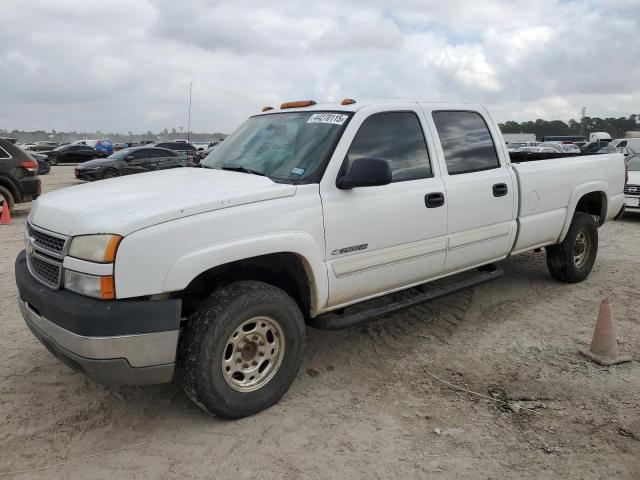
x,y
582,115
189,119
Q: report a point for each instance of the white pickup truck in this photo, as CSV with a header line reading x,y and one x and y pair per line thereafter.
x,y
209,275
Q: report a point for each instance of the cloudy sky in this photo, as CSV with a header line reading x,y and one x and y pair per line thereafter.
x,y
125,65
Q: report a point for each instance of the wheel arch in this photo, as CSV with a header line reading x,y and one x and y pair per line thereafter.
x,y
290,261
285,270
589,198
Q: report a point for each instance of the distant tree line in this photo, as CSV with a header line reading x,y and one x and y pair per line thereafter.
x,y
129,137
616,127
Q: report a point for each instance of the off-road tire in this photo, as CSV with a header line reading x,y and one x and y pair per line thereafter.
x,y
560,257
4,192
205,336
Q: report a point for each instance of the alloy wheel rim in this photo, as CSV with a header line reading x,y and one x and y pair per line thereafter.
x,y
581,249
253,354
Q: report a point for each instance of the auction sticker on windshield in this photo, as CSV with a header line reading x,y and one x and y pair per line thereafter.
x,y
334,118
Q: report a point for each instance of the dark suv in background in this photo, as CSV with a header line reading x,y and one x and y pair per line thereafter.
x,y
19,182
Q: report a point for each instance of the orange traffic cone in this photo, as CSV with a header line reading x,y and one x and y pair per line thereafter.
x,y
5,217
604,346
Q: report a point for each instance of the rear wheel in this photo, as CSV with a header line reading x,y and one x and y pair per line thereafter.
x,y
111,173
8,197
53,160
572,260
241,350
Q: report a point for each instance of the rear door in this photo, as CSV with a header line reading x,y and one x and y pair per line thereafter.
x,y
480,189
142,161
383,238
163,158
85,153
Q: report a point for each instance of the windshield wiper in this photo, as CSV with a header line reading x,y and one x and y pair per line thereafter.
x,y
242,170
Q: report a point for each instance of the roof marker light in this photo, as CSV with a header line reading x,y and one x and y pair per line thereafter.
x,y
298,104
266,109
347,101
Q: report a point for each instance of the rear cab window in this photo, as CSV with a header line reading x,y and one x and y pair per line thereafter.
x,y
466,142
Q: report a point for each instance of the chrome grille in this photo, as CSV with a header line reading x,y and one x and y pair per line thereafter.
x,y
45,253
632,189
51,243
48,272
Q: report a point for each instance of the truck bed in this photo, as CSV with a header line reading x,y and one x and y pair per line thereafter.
x,y
521,157
549,187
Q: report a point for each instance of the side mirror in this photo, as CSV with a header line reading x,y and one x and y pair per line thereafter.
x,y
365,172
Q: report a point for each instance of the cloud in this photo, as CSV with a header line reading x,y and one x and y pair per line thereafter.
x,y
122,65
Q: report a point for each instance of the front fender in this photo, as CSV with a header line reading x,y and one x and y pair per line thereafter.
x,y
187,267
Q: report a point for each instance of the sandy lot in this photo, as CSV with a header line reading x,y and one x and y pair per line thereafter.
x,y
363,405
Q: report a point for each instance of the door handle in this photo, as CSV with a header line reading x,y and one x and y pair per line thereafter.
x,y
500,190
433,200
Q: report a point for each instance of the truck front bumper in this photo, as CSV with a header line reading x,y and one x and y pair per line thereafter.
x,y
122,342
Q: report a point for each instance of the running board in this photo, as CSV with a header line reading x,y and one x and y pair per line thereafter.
x,y
338,321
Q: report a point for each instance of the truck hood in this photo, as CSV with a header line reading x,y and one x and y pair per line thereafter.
x,y
126,204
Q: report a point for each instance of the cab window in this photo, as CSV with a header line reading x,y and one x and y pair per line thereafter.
x,y
396,137
466,142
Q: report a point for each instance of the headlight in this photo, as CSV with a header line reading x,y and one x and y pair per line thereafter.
x,y
90,285
95,248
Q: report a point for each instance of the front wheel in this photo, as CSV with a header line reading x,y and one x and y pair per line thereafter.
x,y
241,350
572,260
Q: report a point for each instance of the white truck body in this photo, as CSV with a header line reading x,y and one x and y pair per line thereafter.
x,y
254,216
352,244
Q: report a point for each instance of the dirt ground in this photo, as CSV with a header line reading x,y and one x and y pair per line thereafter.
x,y
363,405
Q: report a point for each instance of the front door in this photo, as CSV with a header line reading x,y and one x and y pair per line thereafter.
x,y
384,238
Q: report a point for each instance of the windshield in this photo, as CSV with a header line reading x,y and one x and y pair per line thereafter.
x,y
288,147
634,163
120,154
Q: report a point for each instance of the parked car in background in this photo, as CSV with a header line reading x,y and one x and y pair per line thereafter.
x,y
514,145
593,147
626,151
552,145
19,182
633,143
178,146
576,139
74,153
129,161
43,146
44,165
534,150
100,145
632,188
561,147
